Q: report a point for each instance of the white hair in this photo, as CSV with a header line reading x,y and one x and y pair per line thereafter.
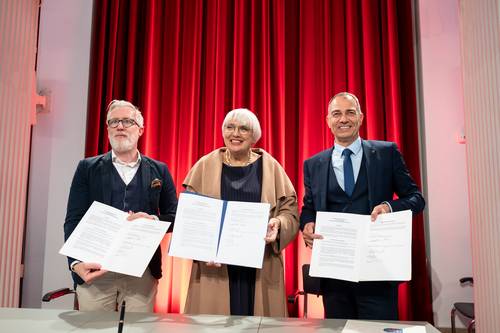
x,y
121,103
244,117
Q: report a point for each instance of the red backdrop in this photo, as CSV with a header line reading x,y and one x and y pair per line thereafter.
x,y
186,63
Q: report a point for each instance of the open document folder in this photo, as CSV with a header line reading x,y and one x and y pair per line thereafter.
x,y
355,249
226,232
104,236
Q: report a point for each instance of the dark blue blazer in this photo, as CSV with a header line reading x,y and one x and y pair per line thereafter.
x,y
92,182
387,174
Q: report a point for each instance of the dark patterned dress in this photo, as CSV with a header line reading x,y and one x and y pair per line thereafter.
x,y
242,184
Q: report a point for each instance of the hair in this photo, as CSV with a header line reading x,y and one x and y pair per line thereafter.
x,y
346,94
245,117
121,103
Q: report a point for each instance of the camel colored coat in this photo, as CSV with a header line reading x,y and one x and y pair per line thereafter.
x,y
208,291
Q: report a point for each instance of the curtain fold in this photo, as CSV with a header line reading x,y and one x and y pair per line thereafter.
x,y
187,63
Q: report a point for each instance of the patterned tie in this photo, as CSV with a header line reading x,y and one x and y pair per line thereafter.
x,y
348,172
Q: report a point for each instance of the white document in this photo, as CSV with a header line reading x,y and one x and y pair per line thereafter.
x,y
227,232
363,326
104,236
355,249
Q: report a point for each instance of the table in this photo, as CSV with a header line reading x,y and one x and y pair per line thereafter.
x,y
14,320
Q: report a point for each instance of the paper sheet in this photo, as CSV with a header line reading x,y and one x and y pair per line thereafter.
x,y
105,236
208,229
355,249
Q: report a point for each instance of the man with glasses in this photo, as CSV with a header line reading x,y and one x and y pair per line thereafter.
x,y
134,183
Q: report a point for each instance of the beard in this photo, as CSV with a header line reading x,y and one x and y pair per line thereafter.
x,y
125,144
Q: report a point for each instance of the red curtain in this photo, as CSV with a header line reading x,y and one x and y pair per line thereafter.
x,y
186,63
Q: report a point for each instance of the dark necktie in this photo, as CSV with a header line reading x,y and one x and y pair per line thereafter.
x,y
348,172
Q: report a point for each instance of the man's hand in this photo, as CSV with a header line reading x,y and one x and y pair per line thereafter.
x,y
132,216
309,235
213,264
380,209
89,271
273,228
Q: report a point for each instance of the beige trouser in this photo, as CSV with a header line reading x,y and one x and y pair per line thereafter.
x,y
106,292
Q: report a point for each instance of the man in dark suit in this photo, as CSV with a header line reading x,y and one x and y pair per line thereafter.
x,y
356,176
134,183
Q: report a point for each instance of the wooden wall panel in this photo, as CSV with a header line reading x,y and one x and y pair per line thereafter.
x,y
480,25
18,33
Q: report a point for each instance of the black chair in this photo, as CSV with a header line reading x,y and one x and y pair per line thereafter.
x,y
465,309
312,285
61,292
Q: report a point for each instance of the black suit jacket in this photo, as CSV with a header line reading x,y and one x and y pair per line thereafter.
x,y
92,182
387,174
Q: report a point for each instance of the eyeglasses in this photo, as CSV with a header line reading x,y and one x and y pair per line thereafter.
x,y
232,128
126,122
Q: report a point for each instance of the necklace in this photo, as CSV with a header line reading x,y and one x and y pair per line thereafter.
x,y
227,158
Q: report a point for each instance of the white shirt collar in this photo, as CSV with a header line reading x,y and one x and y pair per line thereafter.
x,y
133,164
355,147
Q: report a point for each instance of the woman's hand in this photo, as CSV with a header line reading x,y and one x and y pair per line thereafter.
x,y
213,264
273,228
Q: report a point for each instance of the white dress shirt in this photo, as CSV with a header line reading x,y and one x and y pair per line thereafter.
x,y
126,171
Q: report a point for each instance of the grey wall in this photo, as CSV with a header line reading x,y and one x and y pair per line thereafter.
x,y
57,144
445,159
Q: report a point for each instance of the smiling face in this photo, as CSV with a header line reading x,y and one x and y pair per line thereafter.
x,y
123,139
238,137
344,119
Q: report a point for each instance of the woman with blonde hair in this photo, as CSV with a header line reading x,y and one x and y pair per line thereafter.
x,y
239,172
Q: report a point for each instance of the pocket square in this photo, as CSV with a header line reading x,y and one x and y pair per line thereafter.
x,y
156,183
